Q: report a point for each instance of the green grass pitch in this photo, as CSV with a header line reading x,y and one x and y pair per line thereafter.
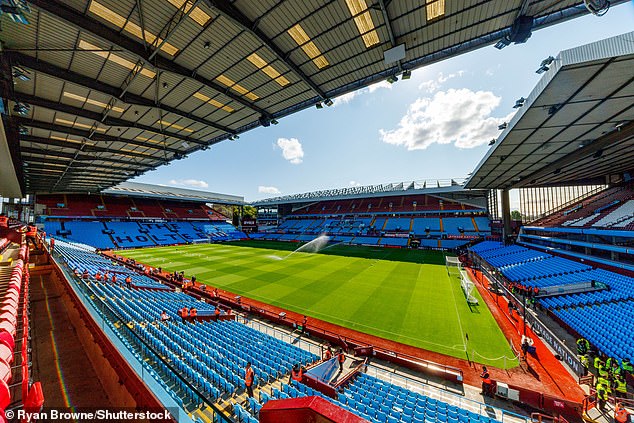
x,y
401,295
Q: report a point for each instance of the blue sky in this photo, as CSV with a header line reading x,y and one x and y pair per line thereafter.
x,y
434,126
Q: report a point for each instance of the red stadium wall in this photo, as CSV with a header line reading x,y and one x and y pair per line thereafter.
x,y
306,409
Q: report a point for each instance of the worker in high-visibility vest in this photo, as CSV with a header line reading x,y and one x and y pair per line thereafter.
x,y
297,374
341,358
621,415
597,362
627,367
620,387
602,395
583,346
249,377
328,354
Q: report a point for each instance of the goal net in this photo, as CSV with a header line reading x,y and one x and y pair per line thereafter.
x,y
202,241
453,266
467,287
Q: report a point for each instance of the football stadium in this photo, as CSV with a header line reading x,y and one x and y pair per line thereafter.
x,y
134,290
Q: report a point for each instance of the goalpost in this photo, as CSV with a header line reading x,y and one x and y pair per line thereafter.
x,y
453,266
467,288
202,241
454,269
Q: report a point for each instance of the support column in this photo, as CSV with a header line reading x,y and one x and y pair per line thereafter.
x,y
240,217
506,215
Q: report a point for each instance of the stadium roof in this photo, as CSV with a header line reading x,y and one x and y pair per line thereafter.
x,y
576,126
135,189
452,187
108,89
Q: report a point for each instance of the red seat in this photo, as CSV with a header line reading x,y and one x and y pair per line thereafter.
x,y
9,317
7,327
12,296
35,400
5,371
5,395
9,301
8,308
7,339
6,353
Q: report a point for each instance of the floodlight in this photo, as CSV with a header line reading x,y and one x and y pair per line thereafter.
x,y
274,122
597,7
502,43
264,121
328,102
492,141
392,79
519,103
233,137
207,45
406,75
502,126
185,144
319,105
544,65
21,74
21,108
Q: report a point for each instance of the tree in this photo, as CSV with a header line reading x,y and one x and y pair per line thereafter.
x,y
516,215
248,212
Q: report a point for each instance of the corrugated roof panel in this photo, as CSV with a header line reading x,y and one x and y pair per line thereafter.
x,y
254,9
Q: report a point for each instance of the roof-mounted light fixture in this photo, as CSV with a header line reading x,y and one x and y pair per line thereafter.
x,y
519,102
545,64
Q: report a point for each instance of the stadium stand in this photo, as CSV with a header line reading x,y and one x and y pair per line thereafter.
x,y
210,355
91,233
77,205
586,313
126,234
594,211
376,401
434,222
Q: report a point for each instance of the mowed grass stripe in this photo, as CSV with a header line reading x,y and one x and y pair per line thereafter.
x,y
416,304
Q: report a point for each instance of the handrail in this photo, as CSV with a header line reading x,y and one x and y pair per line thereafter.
x,y
103,307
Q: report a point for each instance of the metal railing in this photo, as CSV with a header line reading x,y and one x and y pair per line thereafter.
x,y
445,396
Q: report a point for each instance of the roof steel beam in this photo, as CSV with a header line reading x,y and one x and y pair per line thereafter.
x,y
92,84
95,27
65,108
229,11
86,147
84,158
22,121
624,132
43,166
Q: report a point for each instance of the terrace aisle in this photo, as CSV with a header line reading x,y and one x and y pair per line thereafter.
x,y
59,359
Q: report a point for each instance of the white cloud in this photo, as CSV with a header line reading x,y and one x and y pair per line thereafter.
x,y
348,97
433,85
189,183
268,190
291,149
378,85
462,117
355,184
